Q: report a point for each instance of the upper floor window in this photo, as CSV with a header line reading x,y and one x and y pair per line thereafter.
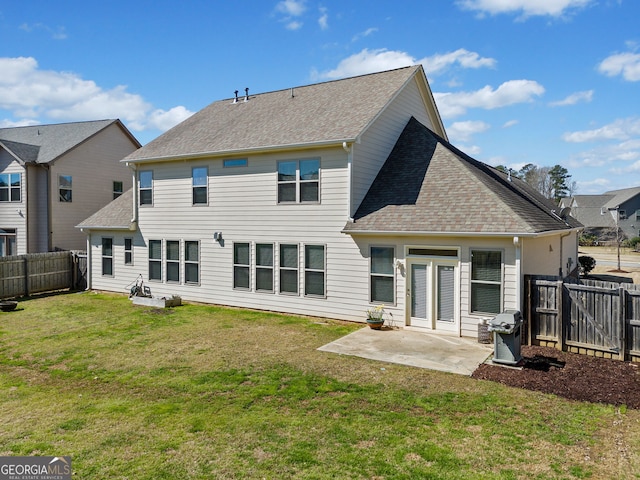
x,y
299,181
486,281
64,187
199,176
9,187
117,189
146,187
234,162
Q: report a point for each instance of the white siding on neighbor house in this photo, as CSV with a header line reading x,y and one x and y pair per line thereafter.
x,y
38,208
377,142
542,255
93,165
13,214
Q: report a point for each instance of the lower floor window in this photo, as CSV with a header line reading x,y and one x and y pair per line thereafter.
x,y
191,261
381,277
288,268
128,251
155,260
314,270
7,242
486,281
107,256
173,260
264,267
241,265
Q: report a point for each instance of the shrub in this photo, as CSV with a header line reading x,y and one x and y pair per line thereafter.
x,y
586,264
587,240
633,242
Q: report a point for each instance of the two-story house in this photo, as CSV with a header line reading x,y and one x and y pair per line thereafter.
x,y
324,200
54,176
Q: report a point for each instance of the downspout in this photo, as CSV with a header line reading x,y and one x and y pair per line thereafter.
x,y
349,149
134,219
88,259
561,257
518,245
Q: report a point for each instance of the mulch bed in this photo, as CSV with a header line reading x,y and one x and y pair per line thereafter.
x,y
569,375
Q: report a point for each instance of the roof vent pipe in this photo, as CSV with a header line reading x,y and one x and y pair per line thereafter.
x,y
292,95
246,94
236,100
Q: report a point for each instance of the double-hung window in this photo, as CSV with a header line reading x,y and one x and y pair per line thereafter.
x,y
289,268
486,281
146,187
199,177
264,267
173,260
299,181
10,187
191,261
314,270
7,242
241,265
155,260
64,188
107,256
382,278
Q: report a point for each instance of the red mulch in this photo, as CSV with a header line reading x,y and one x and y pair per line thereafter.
x,y
570,375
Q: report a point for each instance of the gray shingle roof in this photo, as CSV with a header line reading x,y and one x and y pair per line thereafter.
x,y
45,143
326,112
427,185
621,196
115,215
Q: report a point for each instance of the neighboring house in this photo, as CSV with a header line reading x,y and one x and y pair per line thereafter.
x,y
325,200
54,176
598,213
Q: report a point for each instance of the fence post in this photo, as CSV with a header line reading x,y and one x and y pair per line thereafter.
x,y
26,275
529,310
623,324
560,316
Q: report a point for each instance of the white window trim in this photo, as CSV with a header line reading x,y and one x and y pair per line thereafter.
x,y
298,182
192,262
305,270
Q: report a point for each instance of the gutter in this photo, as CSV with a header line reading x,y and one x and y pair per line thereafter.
x,y
456,234
245,151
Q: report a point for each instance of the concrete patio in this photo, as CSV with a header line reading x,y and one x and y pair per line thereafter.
x,y
424,350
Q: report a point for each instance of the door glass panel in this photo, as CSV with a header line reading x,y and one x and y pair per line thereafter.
x,y
419,291
446,293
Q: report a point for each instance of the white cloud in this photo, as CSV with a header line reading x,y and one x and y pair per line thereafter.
x,y
574,98
463,131
621,129
292,8
34,96
510,123
466,59
366,33
369,61
294,25
58,33
625,64
609,155
524,8
509,93
323,21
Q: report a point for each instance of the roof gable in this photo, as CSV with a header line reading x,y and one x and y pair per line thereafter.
x,y
311,115
46,143
427,185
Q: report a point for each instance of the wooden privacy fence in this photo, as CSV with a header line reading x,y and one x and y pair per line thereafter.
x,y
24,275
584,316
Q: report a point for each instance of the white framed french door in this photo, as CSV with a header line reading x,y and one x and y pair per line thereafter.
x,y
433,294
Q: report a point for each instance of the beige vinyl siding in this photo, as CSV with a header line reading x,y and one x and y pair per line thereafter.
x,y
542,255
377,142
38,208
93,165
10,216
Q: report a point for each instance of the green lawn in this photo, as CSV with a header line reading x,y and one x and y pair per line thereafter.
x,y
207,392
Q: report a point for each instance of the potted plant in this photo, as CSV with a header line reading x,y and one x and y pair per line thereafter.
x,y
375,317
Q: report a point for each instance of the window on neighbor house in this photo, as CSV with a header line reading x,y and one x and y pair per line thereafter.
x,y
117,189
289,268
382,275
172,261
155,260
314,270
10,188
128,251
241,266
146,187
264,267
7,242
64,188
299,181
107,256
191,261
622,215
199,177
486,281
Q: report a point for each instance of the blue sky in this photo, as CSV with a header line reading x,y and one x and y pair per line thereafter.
x,y
516,81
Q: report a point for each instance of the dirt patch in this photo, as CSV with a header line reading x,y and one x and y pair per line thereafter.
x,y
572,376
